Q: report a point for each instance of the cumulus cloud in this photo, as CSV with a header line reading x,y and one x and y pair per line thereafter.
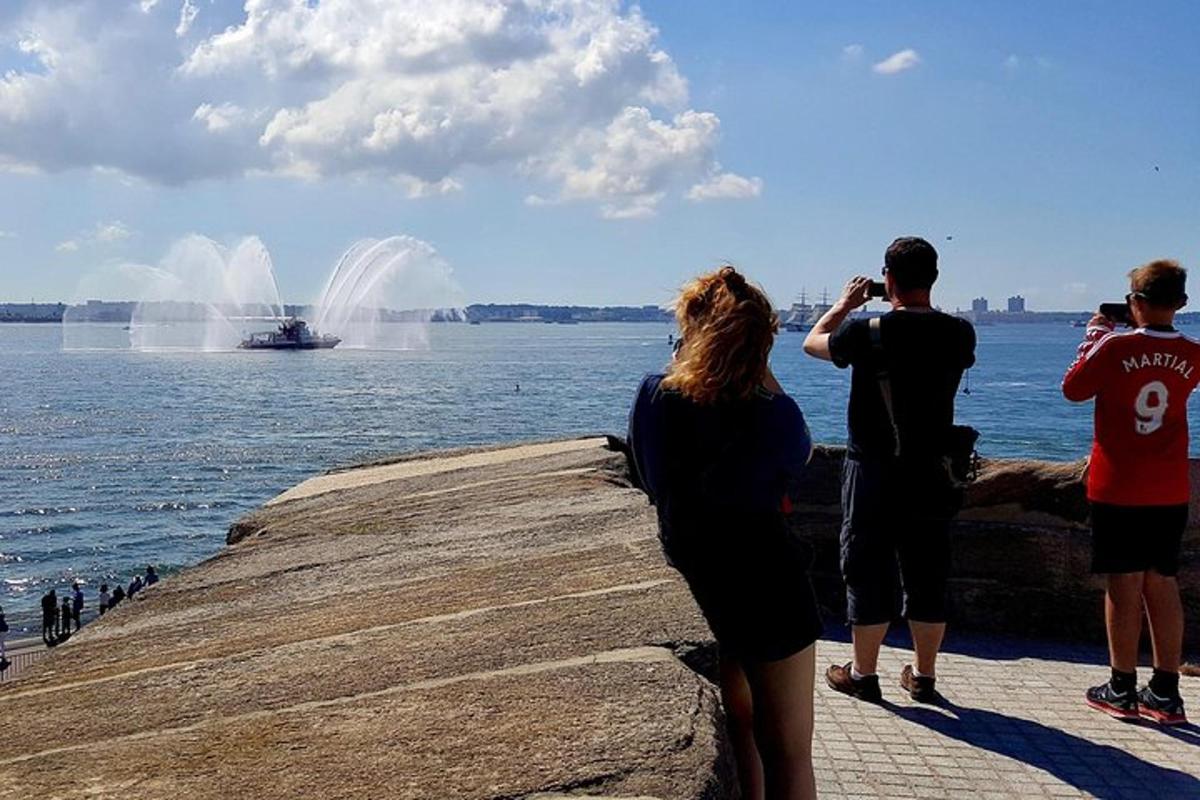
x,y
725,186
898,62
561,92
852,52
103,233
111,231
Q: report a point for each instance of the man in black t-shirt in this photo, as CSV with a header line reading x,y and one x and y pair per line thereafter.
x,y
897,498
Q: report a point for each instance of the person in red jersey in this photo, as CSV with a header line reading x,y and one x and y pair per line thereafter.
x,y
1137,484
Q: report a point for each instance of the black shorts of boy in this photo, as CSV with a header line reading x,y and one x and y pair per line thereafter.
x,y
1137,538
749,575
895,541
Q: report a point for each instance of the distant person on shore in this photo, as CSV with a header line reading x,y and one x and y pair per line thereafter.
x,y
3,636
135,586
898,493
118,594
151,575
1138,485
103,600
717,445
49,616
65,617
76,605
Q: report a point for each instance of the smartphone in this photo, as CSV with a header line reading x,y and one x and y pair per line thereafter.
x,y
1116,312
876,289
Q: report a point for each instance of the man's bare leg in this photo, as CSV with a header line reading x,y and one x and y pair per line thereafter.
x,y
927,641
1165,611
1123,617
867,641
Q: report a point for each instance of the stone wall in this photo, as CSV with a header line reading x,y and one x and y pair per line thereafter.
x,y
1021,551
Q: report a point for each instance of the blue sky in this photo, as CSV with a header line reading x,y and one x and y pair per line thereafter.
x,y
1028,132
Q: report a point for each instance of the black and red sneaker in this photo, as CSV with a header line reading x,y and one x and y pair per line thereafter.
x,y
1121,705
1163,710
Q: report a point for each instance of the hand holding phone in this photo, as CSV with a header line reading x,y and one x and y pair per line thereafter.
x,y
1117,313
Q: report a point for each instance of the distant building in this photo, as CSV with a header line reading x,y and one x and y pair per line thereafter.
x,y
1016,305
979,305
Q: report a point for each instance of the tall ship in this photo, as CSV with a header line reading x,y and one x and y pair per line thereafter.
x,y
802,316
292,334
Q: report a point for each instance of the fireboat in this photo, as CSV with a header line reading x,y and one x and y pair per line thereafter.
x,y
293,334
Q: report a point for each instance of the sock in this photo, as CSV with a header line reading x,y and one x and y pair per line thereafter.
x,y
1164,684
858,676
918,674
1123,682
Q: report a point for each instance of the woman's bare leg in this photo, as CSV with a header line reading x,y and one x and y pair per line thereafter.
x,y
739,719
782,694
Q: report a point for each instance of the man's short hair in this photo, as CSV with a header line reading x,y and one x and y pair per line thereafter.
x,y
912,263
1161,283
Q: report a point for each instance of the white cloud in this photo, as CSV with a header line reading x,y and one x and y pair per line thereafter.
x,y
103,233
415,187
147,5
725,186
222,117
1013,62
630,165
8,235
898,62
111,231
852,52
187,15
401,89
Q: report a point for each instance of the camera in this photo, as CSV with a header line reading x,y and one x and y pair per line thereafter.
x,y
876,289
1117,313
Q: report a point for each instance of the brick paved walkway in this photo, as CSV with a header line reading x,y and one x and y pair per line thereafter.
x,y
1014,726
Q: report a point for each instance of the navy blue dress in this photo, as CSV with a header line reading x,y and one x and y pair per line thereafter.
x,y
718,475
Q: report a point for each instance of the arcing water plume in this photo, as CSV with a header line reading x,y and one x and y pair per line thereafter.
x,y
200,297
375,275
217,291
205,296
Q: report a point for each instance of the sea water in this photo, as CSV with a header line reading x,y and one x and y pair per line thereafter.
x,y
112,459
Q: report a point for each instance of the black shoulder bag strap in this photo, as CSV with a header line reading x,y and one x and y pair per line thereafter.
x,y
881,375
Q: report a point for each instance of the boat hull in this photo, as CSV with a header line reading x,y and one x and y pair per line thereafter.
x,y
320,345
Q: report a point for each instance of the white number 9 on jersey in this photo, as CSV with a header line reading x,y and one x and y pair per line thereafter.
x,y
1150,407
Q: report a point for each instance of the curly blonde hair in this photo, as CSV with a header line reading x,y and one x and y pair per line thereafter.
x,y
728,327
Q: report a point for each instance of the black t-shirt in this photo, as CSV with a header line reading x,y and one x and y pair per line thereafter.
x,y
925,354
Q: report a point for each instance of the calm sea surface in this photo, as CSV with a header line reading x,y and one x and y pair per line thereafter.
x,y
112,459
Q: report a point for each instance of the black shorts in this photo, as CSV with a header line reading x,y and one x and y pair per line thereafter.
x,y
1137,538
750,578
895,541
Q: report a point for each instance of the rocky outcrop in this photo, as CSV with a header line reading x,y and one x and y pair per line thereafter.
x,y
479,624
473,625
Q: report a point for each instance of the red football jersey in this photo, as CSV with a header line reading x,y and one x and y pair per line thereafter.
x,y
1141,380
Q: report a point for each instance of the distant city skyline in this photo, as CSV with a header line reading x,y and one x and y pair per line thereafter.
x,y
605,153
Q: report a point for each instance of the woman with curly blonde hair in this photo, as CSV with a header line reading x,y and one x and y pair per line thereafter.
x,y
718,446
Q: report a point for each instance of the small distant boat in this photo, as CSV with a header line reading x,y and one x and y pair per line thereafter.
x,y
293,334
1078,323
